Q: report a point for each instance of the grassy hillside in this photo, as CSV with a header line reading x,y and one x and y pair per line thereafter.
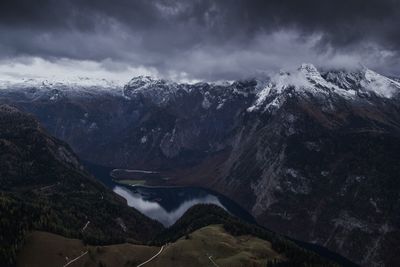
x,y
202,215
45,249
224,249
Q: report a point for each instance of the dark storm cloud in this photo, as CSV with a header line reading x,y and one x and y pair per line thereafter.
x,y
205,39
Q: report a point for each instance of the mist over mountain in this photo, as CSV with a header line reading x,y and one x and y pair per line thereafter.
x,y
200,40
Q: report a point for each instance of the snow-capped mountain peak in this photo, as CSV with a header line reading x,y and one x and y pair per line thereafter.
x,y
308,80
140,81
158,91
365,81
305,78
380,84
54,88
308,68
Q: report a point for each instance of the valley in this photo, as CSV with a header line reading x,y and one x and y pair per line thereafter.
x,y
51,205
313,158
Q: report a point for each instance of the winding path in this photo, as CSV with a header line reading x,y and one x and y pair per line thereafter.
x,y
77,258
152,258
84,227
213,262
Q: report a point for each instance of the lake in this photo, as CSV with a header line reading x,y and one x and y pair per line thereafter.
x,y
166,204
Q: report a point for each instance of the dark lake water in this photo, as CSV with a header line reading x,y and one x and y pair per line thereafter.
x,y
167,204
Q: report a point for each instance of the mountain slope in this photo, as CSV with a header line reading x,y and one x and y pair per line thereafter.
x,y
332,173
44,187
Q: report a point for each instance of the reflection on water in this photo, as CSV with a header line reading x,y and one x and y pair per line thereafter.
x,y
153,208
166,204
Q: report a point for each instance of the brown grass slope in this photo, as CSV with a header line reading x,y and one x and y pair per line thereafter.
x,y
44,249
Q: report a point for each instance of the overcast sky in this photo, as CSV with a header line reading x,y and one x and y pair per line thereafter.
x,y
195,40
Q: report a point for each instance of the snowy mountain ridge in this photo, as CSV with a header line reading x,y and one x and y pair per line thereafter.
x,y
64,83
307,79
268,92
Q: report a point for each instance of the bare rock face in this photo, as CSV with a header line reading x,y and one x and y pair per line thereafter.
x,y
313,155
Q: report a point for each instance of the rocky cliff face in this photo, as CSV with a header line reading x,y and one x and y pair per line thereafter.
x,y
311,154
332,173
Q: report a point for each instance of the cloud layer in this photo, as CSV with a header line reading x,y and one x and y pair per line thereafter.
x,y
224,39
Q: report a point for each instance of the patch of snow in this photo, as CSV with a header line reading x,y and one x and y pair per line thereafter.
x,y
292,172
206,104
375,205
220,105
324,173
93,126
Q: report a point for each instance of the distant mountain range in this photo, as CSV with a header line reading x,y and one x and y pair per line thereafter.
x,y
312,155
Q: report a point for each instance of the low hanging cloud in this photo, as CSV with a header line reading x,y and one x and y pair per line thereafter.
x,y
206,40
